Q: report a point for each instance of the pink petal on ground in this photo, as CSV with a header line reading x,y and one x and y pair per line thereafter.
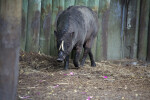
x,y
56,86
105,77
41,80
38,93
65,74
71,73
89,98
83,92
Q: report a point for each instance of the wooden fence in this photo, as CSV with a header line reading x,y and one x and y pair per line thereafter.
x,y
123,31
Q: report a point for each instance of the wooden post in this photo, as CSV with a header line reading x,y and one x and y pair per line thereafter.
x,y
46,13
104,11
136,30
55,11
114,30
148,50
130,29
24,23
61,5
10,30
69,3
34,12
81,2
143,29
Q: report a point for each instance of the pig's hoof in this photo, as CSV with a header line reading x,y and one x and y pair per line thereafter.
x,y
93,64
76,64
81,65
66,69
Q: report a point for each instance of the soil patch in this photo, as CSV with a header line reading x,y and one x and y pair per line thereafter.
x,y
43,78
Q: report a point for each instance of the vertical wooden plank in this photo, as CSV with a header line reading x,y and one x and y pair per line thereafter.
x,y
34,12
135,48
143,30
94,5
123,24
69,3
61,5
114,30
46,13
81,2
101,50
130,29
148,50
10,30
55,11
24,23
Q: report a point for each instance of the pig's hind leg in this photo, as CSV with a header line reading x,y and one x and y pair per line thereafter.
x,y
86,51
93,64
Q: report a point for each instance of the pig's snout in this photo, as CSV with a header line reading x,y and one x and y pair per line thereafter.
x,y
60,56
60,59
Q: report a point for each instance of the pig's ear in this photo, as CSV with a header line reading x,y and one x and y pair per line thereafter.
x,y
55,32
72,34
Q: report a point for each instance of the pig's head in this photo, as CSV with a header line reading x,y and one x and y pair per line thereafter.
x,y
65,44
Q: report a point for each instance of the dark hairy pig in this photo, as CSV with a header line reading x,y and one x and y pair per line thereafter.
x,y
76,28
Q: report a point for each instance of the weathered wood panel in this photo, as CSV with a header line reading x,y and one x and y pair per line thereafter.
x,y
148,52
10,30
69,3
55,11
114,30
46,13
24,23
143,30
135,48
130,29
81,2
34,12
61,5
104,9
124,8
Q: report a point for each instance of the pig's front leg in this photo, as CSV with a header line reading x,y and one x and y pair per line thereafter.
x,y
66,62
77,56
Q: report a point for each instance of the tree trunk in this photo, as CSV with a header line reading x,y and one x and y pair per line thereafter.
x,y
10,30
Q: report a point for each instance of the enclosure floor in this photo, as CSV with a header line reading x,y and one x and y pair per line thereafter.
x,y
42,78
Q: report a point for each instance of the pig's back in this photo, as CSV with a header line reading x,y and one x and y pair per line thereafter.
x,y
87,19
79,19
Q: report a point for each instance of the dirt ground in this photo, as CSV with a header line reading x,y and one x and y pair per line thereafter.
x,y
43,78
